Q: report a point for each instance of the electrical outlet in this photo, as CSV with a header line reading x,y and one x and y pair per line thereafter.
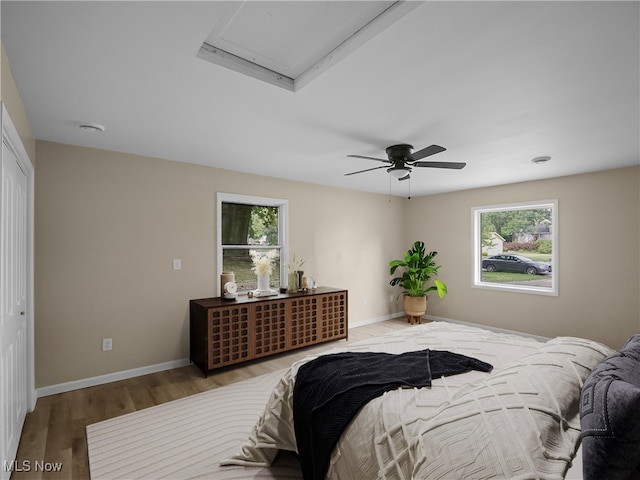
x,y
177,264
364,300
107,344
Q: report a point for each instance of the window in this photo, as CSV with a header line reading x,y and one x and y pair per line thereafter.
x,y
515,247
246,223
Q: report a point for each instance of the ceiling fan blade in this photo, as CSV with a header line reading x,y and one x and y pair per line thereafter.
x,y
425,152
406,177
453,165
370,158
367,170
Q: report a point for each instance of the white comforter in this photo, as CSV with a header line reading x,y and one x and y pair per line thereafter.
x,y
519,421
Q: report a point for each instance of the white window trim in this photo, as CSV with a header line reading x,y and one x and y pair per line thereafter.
x,y
476,245
283,231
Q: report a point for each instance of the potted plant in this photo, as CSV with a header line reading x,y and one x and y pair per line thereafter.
x,y
419,267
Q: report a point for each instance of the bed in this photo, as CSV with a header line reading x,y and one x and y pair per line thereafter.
x,y
520,420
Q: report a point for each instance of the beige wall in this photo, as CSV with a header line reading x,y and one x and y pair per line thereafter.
x,y
11,98
598,265
108,226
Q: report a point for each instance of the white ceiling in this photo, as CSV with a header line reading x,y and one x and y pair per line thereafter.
x,y
496,83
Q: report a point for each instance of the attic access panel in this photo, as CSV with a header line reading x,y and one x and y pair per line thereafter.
x,y
289,43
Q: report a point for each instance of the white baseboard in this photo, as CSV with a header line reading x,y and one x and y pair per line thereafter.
x,y
136,372
109,377
159,367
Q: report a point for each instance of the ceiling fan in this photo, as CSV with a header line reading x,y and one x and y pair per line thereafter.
x,y
401,160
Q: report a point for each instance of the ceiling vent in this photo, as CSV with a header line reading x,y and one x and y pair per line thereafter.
x,y
288,44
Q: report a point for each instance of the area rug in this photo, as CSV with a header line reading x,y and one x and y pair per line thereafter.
x,y
186,438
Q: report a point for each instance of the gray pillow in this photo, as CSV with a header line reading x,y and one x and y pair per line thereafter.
x,y
610,416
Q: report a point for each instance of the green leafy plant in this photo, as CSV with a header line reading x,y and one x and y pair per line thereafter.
x,y
419,267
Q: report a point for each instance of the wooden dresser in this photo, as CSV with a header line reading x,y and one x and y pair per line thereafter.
x,y
226,332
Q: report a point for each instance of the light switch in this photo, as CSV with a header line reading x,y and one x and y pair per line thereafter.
x,y
177,264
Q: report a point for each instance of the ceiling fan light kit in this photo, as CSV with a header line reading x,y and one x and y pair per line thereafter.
x,y
401,159
398,172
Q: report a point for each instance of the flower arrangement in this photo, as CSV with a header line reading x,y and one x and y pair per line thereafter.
x,y
295,274
295,265
263,261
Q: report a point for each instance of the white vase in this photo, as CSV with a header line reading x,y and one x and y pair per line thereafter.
x,y
263,282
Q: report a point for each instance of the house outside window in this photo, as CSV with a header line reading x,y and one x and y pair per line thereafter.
x,y
247,223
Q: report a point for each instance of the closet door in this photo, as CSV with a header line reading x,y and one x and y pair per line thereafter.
x,y
13,304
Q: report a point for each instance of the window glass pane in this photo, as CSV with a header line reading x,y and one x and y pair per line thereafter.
x,y
515,247
244,224
238,261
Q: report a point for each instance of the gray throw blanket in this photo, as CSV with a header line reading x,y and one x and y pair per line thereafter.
x,y
331,389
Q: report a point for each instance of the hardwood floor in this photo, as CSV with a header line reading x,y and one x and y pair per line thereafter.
x,y
54,442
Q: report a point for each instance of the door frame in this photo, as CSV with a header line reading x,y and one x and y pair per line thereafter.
x,y
13,141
